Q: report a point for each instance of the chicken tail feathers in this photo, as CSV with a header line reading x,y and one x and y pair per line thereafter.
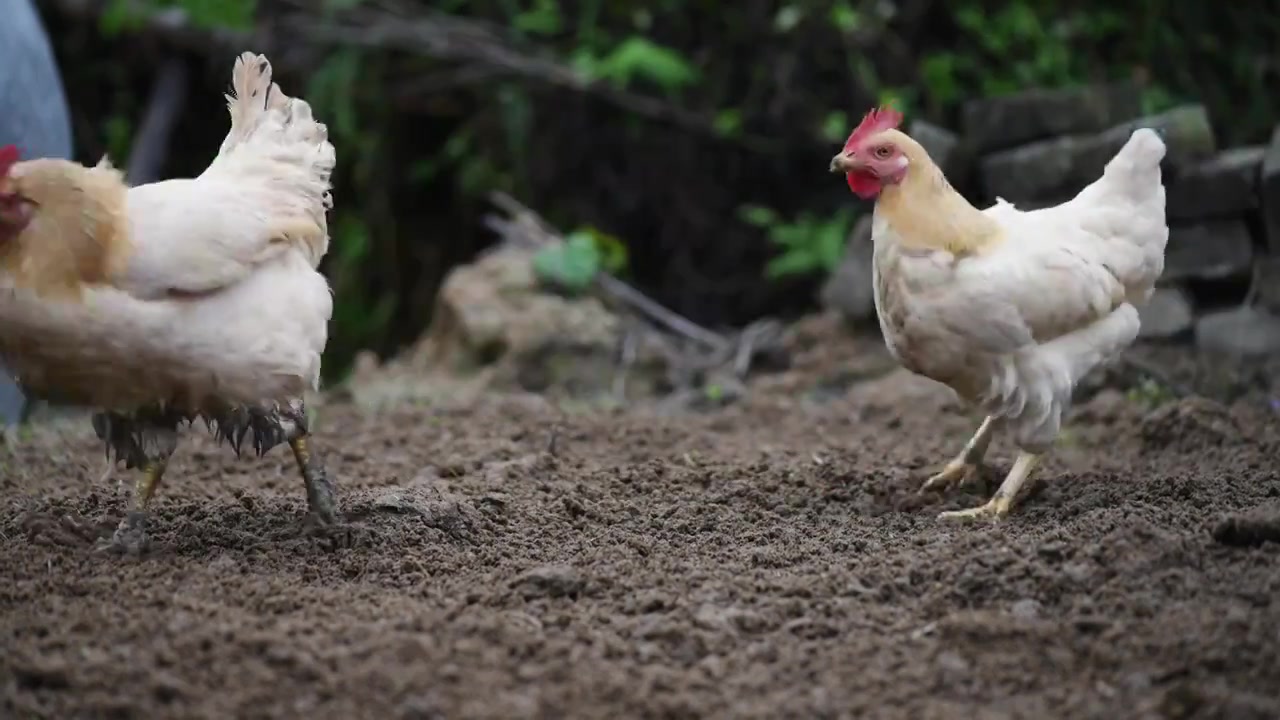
x,y
251,91
1135,170
276,137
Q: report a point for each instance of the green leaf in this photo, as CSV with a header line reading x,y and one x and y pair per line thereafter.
x,y
572,265
788,18
332,91
638,57
757,215
845,18
122,15
613,252
791,263
585,64
543,19
728,123
351,240
836,127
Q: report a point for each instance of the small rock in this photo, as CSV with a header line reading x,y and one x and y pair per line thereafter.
x,y
1269,189
550,581
1166,314
493,312
43,674
1210,250
952,661
1244,331
1002,122
1266,280
392,502
1226,185
1077,571
1064,165
848,289
943,147
1052,550
1025,609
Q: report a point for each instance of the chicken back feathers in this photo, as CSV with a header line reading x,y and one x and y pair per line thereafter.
x,y
218,299
1014,316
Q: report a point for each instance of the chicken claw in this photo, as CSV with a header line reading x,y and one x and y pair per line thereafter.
x,y
1000,503
130,537
962,469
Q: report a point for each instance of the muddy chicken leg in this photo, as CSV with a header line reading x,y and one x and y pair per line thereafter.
x,y
286,424
148,439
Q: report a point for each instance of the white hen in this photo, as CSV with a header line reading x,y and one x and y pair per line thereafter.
x,y
1008,308
198,297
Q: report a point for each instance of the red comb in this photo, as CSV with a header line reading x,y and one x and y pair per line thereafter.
x,y
876,120
8,156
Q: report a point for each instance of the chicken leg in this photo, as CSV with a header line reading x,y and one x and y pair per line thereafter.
x,y
146,440
964,466
998,506
287,424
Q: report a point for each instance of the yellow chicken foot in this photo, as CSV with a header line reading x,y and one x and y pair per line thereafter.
x,y
965,466
999,505
130,536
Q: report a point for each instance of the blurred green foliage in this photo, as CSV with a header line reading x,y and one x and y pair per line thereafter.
x,y
572,265
808,244
416,164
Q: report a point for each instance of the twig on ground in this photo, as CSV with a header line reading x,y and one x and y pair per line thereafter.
x,y
691,351
528,229
627,353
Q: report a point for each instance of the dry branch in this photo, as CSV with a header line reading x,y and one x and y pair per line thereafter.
x,y
151,142
691,350
480,53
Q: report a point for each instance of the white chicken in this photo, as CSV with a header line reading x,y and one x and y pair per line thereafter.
x,y
1008,308
179,299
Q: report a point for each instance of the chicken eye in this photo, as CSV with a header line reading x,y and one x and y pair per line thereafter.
x,y
883,152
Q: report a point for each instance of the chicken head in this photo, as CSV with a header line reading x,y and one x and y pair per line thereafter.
x,y
873,156
15,211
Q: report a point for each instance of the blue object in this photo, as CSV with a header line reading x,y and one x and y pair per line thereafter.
x,y
34,118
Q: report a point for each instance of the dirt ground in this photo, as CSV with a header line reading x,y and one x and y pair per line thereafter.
x,y
513,557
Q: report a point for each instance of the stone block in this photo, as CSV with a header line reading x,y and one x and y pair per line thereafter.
x,y
1167,313
1007,121
1242,332
1269,190
944,147
1066,164
1210,250
1225,185
848,289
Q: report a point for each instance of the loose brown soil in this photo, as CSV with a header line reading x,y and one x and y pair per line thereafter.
x,y
513,557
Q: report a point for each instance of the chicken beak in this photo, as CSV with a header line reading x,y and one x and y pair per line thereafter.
x,y
842,163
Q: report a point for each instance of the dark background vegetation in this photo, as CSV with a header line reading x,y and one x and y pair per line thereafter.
x,y
653,123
